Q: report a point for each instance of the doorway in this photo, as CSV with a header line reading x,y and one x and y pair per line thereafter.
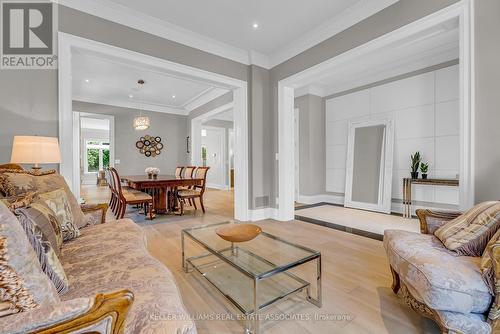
x,y
69,134
96,148
213,154
397,42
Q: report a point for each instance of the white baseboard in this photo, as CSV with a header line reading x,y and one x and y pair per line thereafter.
x,y
217,186
397,207
325,198
261,214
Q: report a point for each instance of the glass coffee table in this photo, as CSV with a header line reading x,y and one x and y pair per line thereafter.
x,y
252,275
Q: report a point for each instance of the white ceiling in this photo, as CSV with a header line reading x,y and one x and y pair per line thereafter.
x,y
434,46
114,82
224,27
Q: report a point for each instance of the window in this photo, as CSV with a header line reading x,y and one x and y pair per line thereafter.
x,y
96,155
204,155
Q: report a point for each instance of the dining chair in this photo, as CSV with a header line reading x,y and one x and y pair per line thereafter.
x,y
113,202
131,197
178,171
196,191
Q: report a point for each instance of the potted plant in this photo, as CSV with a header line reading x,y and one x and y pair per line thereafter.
x,y
415,164
424,168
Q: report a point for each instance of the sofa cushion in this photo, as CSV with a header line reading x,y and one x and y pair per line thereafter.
x,y
19,259
469,233
113,256
435,275
57,201
49,262
459,323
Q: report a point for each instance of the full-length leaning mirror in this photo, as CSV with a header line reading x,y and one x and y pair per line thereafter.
x,y
369,165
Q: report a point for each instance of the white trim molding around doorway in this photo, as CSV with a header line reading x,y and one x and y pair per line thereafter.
x,y
67,44
464,12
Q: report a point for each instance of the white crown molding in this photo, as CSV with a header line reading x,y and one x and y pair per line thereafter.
x,y
310,90
133,105
146,23
347,18
204,98
119,14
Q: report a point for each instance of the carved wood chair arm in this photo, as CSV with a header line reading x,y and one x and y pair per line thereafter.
x,y
103,314
431,220
95,213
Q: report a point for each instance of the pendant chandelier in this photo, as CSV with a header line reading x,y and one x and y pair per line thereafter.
x,y
141,123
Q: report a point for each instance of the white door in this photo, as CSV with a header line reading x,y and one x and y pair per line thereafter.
x,y
297,155
212,151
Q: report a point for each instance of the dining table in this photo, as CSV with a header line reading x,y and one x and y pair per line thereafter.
x,y
162,188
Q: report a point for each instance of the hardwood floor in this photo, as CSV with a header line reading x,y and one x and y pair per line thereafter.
x,y
356,276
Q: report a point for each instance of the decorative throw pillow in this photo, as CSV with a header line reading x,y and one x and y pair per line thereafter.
x,y
46,220
21,201
15,184
469,233
43,249
23,284
57,201
487,270
14,296
51,182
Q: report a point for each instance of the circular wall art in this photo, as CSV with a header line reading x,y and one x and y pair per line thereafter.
x,y
150,146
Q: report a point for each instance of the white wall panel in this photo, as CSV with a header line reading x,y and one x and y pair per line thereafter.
x,y
402,94
348,106
448,118
415,122
425,109
447,84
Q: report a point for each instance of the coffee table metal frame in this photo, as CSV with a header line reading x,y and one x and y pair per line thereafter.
x,y
252,323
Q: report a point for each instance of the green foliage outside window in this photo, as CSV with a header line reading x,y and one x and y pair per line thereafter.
x,y
93,159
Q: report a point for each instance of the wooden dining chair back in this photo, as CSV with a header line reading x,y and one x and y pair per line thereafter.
x,y
178,171
113,202
189,171
201,173
131,197
196,191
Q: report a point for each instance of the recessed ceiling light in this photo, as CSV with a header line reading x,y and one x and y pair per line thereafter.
x,y
255,25
87,80
131,96
173,96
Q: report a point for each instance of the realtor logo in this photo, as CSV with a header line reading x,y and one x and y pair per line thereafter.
x,y
28,35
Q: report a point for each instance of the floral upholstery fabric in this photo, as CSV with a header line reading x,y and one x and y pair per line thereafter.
x,y
458,323
113,256
22,260
57,201
44,316
435,275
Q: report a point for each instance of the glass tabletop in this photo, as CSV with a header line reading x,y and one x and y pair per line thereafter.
x,y
263,256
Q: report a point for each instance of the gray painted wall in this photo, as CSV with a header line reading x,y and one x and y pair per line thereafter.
x,y
487,117
171,129
312,164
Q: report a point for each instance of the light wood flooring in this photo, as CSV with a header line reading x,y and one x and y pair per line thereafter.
x,y
356,276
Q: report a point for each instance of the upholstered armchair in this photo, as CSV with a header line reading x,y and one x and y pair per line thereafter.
x,y
437,283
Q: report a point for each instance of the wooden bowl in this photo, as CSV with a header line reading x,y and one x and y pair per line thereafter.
x,y
238,232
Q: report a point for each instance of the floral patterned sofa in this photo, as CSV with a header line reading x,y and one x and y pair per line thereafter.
x,y
115,285
439,284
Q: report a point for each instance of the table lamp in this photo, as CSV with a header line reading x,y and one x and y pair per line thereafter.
x,y
35,150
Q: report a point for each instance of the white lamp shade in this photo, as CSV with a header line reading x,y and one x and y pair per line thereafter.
x,y
35,150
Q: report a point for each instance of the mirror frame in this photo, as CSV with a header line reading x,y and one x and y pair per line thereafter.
x,y
384,203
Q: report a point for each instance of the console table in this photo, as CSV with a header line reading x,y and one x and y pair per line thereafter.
x,y
407,182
